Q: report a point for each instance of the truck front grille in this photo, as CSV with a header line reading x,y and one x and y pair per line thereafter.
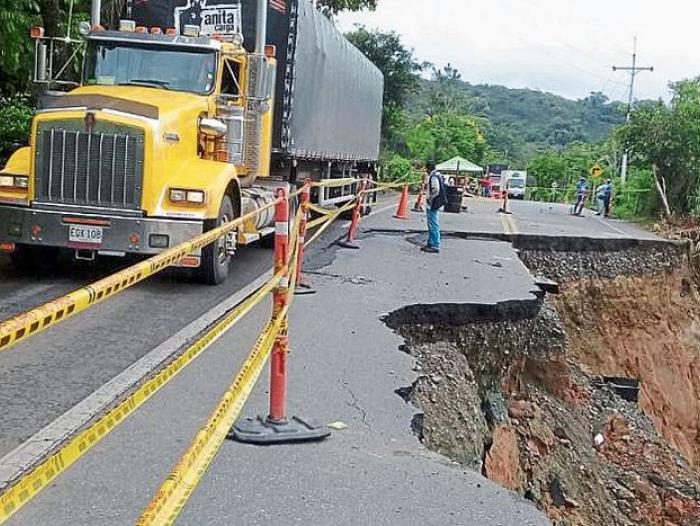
x,y
103,170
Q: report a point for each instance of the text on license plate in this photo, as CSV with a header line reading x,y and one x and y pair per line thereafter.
x,y
91,235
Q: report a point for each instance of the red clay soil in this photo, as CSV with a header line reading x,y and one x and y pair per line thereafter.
x,y
646,328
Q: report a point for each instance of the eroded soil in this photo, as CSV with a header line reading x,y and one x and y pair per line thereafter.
x,y
521,400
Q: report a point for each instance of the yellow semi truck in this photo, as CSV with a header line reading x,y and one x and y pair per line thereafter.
x,y
184,120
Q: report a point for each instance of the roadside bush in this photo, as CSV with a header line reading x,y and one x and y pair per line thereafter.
x,y
397,167
637,199
15,122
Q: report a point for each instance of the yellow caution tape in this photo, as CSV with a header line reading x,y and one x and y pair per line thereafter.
x,y
329,220
37,320
41,476
320,210
183,480
316,222
175,492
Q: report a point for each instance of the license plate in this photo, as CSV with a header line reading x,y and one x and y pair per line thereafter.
x,y
87,235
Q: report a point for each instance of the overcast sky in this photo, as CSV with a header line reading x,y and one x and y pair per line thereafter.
x,y
566,47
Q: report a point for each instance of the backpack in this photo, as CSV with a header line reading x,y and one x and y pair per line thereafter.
x,y
440,199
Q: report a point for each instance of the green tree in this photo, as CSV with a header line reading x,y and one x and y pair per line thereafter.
x,y
333,7
15,120
400,69
16,48
396,62
445,135
666,139
447,93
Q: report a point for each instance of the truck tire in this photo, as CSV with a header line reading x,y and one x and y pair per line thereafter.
x,y
32,259
215,260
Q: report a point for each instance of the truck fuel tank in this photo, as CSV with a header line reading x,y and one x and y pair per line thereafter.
x,y
255,198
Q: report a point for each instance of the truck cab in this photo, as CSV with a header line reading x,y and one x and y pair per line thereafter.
x,y
167,136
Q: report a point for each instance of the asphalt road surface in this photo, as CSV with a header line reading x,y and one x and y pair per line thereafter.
x,y
50,373
345,365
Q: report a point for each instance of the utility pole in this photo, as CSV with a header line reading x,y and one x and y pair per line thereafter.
x,y
634,71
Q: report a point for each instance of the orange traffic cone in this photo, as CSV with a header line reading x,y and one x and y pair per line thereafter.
x,y
402,212
418,206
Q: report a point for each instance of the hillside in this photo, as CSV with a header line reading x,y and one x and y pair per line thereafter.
x,y
521,121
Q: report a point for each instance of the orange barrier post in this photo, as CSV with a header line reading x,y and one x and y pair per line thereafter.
x,y
277,428
402,212
303,283
418,206
278,361
356,215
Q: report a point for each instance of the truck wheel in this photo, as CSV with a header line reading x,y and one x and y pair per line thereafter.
x,y
28,258
216,259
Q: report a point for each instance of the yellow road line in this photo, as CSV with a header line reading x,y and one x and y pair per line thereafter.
x,y
510,225
33,322
41,476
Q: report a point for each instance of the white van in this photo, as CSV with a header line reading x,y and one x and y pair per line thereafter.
x,y
516,183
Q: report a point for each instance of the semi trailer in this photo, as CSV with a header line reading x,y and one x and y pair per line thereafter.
x,y
187,115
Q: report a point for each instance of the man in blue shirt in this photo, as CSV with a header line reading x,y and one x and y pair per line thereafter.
x,y
581,194
436,199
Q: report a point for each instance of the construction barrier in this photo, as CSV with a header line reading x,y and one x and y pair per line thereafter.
x,y
290,242
349,242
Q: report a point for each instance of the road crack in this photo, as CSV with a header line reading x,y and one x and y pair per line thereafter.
x,y
355,404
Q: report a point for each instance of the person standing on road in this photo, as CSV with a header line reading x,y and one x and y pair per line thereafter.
x,y
437,198
604,195
600,197
485,187
581,194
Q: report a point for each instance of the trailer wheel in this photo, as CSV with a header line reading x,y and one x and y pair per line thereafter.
x,y
32,259
216,257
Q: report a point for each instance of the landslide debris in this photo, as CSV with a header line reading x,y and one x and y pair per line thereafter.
x,y
647,328
508,398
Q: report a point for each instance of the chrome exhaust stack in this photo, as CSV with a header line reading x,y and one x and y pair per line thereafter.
x,y
96,13
259,75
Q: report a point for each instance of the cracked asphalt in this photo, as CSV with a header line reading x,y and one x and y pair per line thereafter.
x,y
345,366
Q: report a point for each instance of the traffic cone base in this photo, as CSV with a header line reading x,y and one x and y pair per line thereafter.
x,y
304,287
265,431
348,244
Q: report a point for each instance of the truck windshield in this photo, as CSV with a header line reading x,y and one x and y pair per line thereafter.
x,y
164,67
517,183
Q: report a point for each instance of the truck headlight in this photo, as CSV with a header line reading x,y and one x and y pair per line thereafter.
x,y
14,181
196,197
22,182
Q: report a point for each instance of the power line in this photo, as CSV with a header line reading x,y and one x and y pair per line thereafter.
x,y
634,70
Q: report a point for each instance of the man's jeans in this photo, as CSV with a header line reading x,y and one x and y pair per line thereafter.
x,y
433,227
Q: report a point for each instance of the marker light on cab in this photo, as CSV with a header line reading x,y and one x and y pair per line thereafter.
x,y
14,181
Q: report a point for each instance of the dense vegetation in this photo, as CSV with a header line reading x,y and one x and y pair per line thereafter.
x,y
522,121
557,140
